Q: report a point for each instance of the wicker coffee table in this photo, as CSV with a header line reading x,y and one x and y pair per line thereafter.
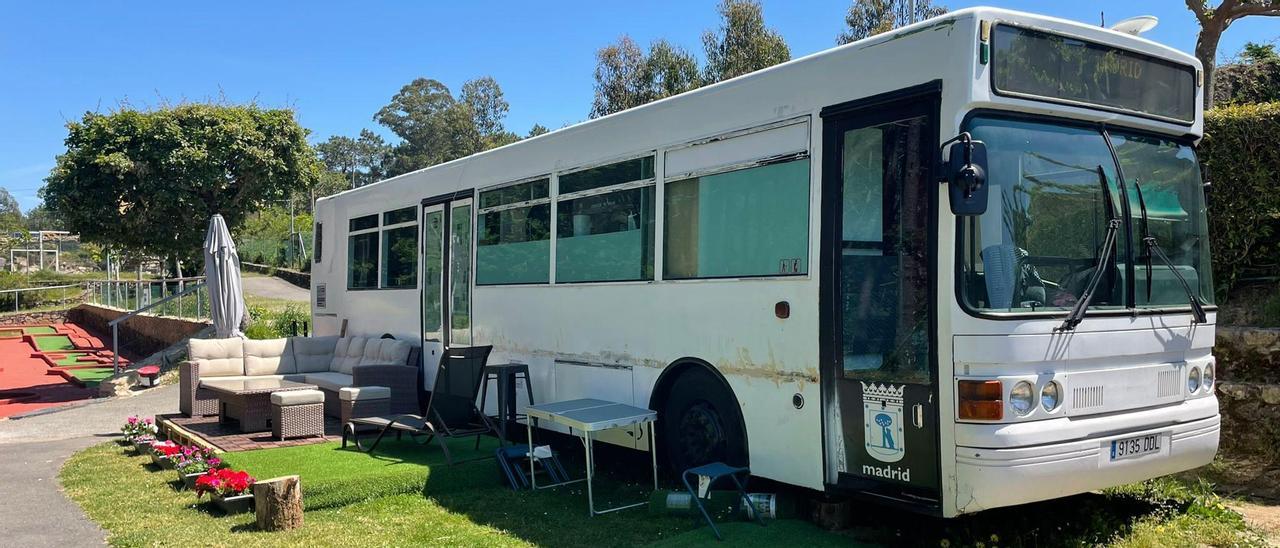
x,y
249,401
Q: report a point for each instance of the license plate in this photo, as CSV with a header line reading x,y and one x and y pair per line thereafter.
x,y
1137,446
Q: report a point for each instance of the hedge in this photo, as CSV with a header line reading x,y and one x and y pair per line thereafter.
x,y
1241,152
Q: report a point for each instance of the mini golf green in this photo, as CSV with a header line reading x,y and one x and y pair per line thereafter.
x,y
74,359
53,344
39,330
10,333
91,376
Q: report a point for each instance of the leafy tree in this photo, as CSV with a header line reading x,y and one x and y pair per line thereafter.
x,y
42,218
436,127
1254,79
743,44
670,70
868,18
536,130
620,77
10,213
148,181
628,77
1213,22
361,161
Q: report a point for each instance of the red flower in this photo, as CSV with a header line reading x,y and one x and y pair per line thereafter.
x,y
169,450
225,482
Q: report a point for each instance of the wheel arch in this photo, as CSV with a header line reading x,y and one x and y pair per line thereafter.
x,y
667,380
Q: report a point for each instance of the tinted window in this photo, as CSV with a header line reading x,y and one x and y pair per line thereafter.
x,y
405,215
399,258
362,261
612,174
515,194
750,222
363,223
514,246
1047,65
606,237
318,246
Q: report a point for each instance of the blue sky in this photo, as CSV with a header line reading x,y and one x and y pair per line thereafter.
x,y
337,63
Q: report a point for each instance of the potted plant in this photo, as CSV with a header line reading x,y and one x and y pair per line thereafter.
x,y
192,462
229,489
138,431
163,453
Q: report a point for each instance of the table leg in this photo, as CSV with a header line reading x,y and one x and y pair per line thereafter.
x,y
591,465
533,476
653,454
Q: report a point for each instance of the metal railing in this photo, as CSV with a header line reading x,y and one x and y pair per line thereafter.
x,y
193,289
170,297
41,295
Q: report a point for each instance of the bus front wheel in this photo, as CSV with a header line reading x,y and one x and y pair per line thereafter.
x,y
701,423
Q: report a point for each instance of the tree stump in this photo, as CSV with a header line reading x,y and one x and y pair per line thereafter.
x,y
278,503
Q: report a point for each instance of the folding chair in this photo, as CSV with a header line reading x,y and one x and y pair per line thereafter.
x,y
451,410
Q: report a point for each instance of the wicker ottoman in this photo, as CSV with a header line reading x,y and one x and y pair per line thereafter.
x,y
364,401
297,413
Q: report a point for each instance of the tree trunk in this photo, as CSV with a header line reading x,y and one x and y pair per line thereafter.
x,y
278,503
1207,53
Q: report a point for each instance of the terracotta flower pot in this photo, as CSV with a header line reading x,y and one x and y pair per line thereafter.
x,y
234,505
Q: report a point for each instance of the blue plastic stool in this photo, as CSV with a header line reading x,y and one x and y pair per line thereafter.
x,y
716,471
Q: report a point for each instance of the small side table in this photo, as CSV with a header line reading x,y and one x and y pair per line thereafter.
x,y
506,375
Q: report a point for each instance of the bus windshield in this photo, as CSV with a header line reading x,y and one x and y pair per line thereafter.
x,y
1053,189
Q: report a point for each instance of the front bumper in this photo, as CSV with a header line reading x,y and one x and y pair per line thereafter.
x,y
990,478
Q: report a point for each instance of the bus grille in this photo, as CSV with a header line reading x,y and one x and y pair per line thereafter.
x,y
1084,397
1167,384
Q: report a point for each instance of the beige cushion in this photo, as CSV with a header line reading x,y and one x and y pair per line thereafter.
x,y
312,354
385,351
363,393
330,381
297,397
217,357
268,357
294,378
347,354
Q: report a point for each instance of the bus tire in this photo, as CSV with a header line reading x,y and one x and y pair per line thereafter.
x,y
701,422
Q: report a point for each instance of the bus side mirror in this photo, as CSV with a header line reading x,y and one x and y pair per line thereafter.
x,y
966,175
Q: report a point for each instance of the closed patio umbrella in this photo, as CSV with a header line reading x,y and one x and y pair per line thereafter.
x,y
222,274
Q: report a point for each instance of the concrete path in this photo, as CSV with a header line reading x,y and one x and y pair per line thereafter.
x,y
32,450
273,288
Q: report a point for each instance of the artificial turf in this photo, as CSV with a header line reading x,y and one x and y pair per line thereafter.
x,y
53,344
91,376
39,330
408,496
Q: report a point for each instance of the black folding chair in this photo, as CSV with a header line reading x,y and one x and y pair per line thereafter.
x,y
451,410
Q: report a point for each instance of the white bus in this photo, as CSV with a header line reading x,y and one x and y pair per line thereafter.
x,y
956,266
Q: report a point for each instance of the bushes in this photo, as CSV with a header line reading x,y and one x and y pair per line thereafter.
x,y
1241,151
271,324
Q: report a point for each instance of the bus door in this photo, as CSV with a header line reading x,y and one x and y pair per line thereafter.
x,y
879,377
446,278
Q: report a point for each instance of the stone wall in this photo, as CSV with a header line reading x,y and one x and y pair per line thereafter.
x,y
1248,354
34,318
300,279
142,334
1250,418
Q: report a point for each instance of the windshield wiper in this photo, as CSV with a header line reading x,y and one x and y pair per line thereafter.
x,y
1153,247
1099,269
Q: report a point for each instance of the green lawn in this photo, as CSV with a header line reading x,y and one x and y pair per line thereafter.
x,y
407,496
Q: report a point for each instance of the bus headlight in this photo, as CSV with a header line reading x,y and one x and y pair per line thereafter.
x,y
1193,380
1208,377
1022,397
1049,396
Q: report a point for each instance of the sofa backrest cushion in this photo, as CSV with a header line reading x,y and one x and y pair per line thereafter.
x,y
385,352
217,357
268,357
347,354
313,354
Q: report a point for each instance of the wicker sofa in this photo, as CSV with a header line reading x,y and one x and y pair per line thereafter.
x,y
330,363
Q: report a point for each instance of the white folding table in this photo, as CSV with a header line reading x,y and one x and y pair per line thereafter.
x,y
583,417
